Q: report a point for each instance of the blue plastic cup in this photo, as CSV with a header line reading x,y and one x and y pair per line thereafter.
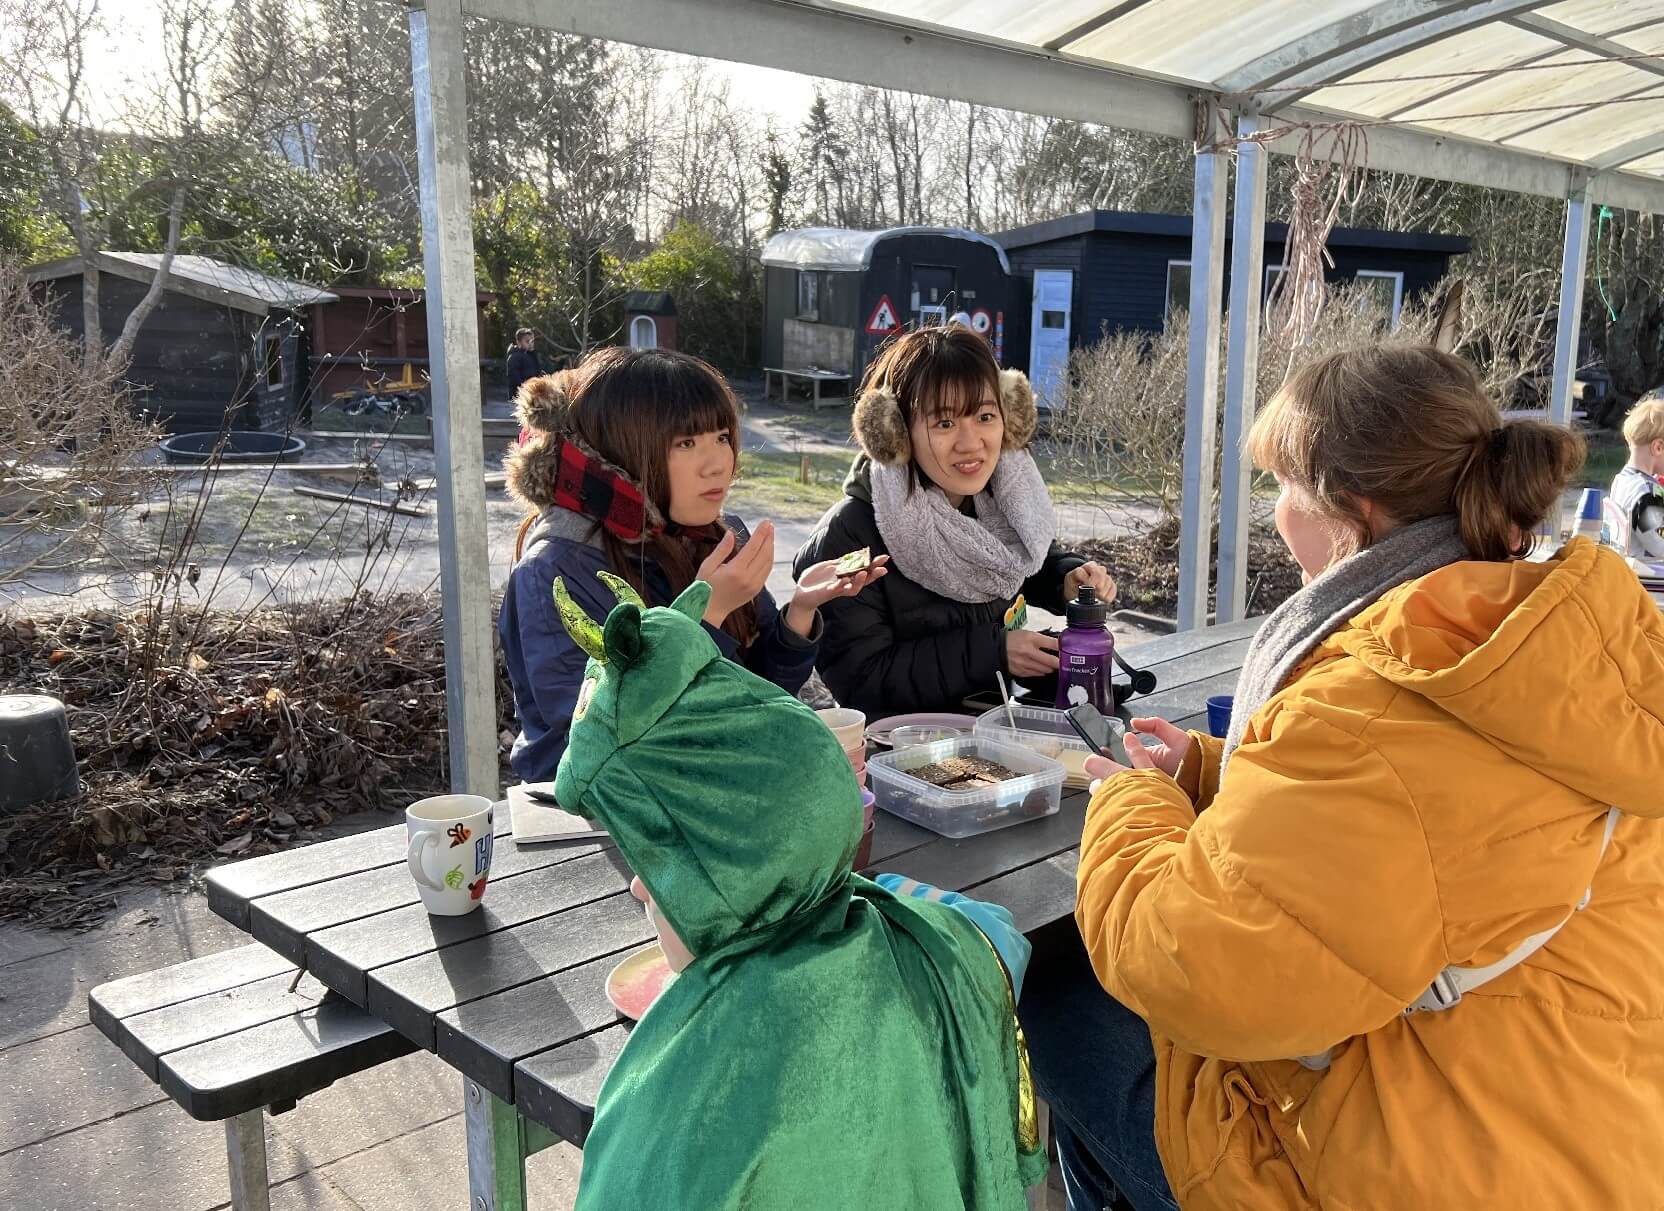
x,y
1219,715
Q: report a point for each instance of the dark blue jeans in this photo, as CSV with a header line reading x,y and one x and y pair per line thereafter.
x,y
1094,1065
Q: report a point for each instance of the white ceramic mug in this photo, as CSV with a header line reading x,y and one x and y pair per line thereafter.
x,y
849,726
449,851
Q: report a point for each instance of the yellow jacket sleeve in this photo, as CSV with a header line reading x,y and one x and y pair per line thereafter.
x,y
1297,911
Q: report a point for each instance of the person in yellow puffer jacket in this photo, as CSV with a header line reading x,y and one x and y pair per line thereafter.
x,y
1426,745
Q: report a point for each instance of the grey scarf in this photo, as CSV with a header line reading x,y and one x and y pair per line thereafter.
x,y
1317,611
969,559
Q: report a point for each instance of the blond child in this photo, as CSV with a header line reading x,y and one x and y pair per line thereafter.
x,y
1635,513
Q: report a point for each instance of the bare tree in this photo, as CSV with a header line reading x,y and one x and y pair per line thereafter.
x,y
171,123
53,506
48,86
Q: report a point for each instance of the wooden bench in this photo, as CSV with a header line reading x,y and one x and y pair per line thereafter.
x,y
231,1035
813,377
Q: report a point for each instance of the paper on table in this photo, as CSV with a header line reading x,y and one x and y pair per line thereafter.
x,y
532,821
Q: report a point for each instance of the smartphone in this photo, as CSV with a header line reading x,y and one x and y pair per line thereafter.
x,y
1104,733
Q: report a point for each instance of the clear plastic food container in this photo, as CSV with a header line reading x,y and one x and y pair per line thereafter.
x,y
1041,729
1036,791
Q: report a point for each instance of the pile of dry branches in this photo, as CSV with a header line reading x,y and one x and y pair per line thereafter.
x,y
207,735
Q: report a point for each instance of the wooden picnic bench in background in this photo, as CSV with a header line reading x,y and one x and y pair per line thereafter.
x,y
512,995
813,377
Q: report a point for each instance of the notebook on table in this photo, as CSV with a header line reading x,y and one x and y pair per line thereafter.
x,y
533,816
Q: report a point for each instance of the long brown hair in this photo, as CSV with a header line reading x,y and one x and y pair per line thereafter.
x,y
1411,429
629,405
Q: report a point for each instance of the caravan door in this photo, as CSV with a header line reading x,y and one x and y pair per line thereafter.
x,y
1048,356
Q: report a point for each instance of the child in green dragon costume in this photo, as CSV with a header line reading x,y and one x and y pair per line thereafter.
x,y
831,1042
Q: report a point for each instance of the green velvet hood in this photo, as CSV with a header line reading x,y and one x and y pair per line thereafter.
x,y
667,724
832,1045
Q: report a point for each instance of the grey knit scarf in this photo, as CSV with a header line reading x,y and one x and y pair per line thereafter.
x,y
969,559
1317,611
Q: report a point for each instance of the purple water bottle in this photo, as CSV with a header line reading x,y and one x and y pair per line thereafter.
x,y
1085,654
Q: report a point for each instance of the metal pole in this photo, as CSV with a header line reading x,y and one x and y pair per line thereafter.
x,y
1242,364
436,68
245,1155
1201,405
1569,325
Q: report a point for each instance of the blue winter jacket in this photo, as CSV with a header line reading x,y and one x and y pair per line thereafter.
x,y
546,668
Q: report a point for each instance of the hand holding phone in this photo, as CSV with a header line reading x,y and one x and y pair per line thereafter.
x,y
1105,734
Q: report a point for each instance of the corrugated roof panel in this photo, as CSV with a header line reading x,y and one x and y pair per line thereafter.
x,y
1229,45
1603,17
1590,135
1519,101
1388,91
1035,24
1653,164
1206,40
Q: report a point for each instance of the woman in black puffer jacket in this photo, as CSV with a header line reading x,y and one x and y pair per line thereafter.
x,y
946,487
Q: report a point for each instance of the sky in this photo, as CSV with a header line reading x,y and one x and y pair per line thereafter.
x,y
126,65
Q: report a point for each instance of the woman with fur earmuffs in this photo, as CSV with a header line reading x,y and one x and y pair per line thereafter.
x,y
946,488
625,467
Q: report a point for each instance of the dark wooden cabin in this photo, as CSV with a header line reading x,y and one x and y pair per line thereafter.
x,y
224,346
1078,277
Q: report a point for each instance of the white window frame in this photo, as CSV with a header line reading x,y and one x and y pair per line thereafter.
x,y
271,354
652,332
1397,276
811,279
1167,296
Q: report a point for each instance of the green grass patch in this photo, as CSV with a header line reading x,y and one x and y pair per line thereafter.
x,y
770,485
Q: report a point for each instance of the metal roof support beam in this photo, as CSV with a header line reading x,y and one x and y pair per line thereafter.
x,y
884,52
1201,397
1569,324
436,68
1242,364
1576,39
1363,40
864,48
1635,149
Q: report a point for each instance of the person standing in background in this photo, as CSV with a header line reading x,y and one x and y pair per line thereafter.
x,y
523,362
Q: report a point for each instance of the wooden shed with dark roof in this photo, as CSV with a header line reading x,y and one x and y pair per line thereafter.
x,y
224,346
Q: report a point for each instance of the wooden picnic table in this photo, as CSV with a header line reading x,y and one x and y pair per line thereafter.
x,y
512,995
813,377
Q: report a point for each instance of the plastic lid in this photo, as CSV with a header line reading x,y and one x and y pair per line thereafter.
x,y
1086,610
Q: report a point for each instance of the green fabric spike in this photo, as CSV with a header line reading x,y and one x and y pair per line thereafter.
x,y
622,589
694,601
585,631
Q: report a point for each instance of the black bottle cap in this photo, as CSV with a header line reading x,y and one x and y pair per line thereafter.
x,y
1086,610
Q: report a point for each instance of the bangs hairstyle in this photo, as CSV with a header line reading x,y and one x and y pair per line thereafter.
x,y
630,405
940,371
1411,429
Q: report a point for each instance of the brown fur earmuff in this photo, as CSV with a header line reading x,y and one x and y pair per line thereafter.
x,y
542,403
1022,418
532,467
880,429
882,432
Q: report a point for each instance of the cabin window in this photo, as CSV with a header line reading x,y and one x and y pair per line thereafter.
x,y
808,295
271,359
1386,287
1178,286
